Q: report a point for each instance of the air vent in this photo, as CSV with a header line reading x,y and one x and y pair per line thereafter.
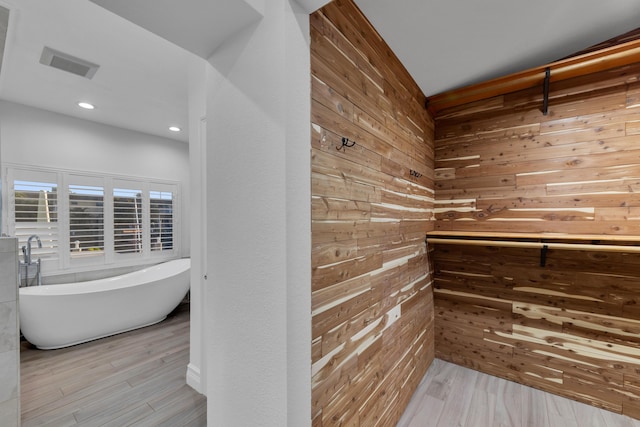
x,y
68,63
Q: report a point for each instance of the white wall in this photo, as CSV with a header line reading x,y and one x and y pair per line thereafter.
x,y
257,322
31,136
196,370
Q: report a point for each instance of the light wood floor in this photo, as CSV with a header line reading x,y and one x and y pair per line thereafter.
x,y
132,379
450,395
138,379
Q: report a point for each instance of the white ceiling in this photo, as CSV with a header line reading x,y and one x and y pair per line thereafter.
x,y
446,44
142,80
197,25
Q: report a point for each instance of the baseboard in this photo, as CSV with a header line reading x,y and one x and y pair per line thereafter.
x,y
194,379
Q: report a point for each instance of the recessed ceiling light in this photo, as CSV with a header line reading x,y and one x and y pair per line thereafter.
x,y
86,105
174,129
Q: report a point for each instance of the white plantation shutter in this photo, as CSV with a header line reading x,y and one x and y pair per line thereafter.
x,y
35,212
127,221
161,219
86,220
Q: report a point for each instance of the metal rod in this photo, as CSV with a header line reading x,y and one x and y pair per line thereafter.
x,y
543,255
545,102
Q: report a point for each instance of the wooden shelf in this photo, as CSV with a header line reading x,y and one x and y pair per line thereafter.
x,y
541,236
536,241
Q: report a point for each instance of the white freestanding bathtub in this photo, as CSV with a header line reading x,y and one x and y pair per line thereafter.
x,y
55,316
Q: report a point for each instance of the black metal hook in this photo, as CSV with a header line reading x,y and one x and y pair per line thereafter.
x,y
346,143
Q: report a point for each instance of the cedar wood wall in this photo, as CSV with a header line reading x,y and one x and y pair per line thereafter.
x,y
573,326
372,300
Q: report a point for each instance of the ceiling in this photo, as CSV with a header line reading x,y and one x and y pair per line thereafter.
x,y
447,44
142,80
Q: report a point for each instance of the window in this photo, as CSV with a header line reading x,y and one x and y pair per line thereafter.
x,y
161,220
86,220
35,206
127,221
99,219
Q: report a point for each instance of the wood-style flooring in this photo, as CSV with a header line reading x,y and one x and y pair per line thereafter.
x,y
132,379
138,379
450,395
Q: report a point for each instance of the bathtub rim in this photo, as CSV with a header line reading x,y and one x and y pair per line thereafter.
x,y
105,284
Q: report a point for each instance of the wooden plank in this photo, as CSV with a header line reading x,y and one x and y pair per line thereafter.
x,y
330,295
530,235
338,39
631,399
571,144
471,166
332,252
327,208
329,142
604,228
330,54
343,14
533,214
328,119
632,128
340,188
334,338
576,175
323,391
344,87
324,232
324,276
329,319
633,95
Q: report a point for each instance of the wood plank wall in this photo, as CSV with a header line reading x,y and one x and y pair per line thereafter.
x,y
571,327
372,299
501,165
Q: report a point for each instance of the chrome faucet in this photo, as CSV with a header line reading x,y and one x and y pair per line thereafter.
x,y
27,266
28,260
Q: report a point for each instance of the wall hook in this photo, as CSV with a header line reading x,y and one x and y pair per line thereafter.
x,y
346,143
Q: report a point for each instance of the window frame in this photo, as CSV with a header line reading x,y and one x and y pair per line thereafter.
x,y
39,176
65,262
